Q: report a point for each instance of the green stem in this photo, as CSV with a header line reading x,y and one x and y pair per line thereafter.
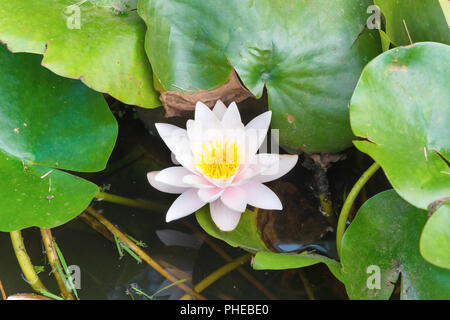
x,y
219,273
135,203
349,203
25,262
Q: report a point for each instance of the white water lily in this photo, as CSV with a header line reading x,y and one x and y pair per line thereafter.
x,y
220,165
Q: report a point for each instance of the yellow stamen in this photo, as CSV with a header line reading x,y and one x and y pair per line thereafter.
x,y
218,160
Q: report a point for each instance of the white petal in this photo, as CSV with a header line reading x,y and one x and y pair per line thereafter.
x,y
219,109
260,122
260,196
187,203
209,194
232,118
197,181
205,115
173,176
234,198
224,218
278,169
174,137
162,186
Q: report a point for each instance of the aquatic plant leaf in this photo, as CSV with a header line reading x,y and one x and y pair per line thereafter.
x,y
99,42
435,239
47,123
246,235
281,261
424,19
382,245
401,107
309,55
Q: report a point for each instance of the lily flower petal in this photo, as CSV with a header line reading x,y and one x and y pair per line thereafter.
x,y
173,136
187,203
205,116
232,118
260,196
210,194
225,218
285,164
162,186
173,176
195,181
219,109
234,198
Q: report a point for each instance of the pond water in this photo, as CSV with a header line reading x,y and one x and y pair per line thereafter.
x,y
104,275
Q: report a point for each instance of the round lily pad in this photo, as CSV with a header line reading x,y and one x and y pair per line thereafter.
x,y
381,248
99,42
47,124
309,54
401,108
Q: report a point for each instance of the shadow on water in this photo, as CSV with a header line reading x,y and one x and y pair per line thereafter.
x,y
104,275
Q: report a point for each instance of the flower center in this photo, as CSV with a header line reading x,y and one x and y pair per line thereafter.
x,y
218,160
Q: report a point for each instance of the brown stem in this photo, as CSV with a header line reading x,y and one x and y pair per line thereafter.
x,y
2,290
53,259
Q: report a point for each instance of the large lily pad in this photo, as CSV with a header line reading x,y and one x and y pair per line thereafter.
x,y
309,55
281,261
385,237
47,123
424,20
90,41
401,106
435,239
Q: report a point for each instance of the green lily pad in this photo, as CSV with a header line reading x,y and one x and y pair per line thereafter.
x,y
383,243
401,106
281,261
424,19
87,41
246,235
309,54
47,123
435,239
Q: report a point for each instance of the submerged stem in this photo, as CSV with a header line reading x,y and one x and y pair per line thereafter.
x,y
25,262
219,273
53,259
349,203
135,203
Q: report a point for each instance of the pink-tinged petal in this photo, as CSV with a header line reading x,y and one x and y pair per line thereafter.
x,y
260,196
234,198
187,203
205,116
173,176
278,169
162,186
209,194
195,181
224,218
219,109
232,118
175,138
